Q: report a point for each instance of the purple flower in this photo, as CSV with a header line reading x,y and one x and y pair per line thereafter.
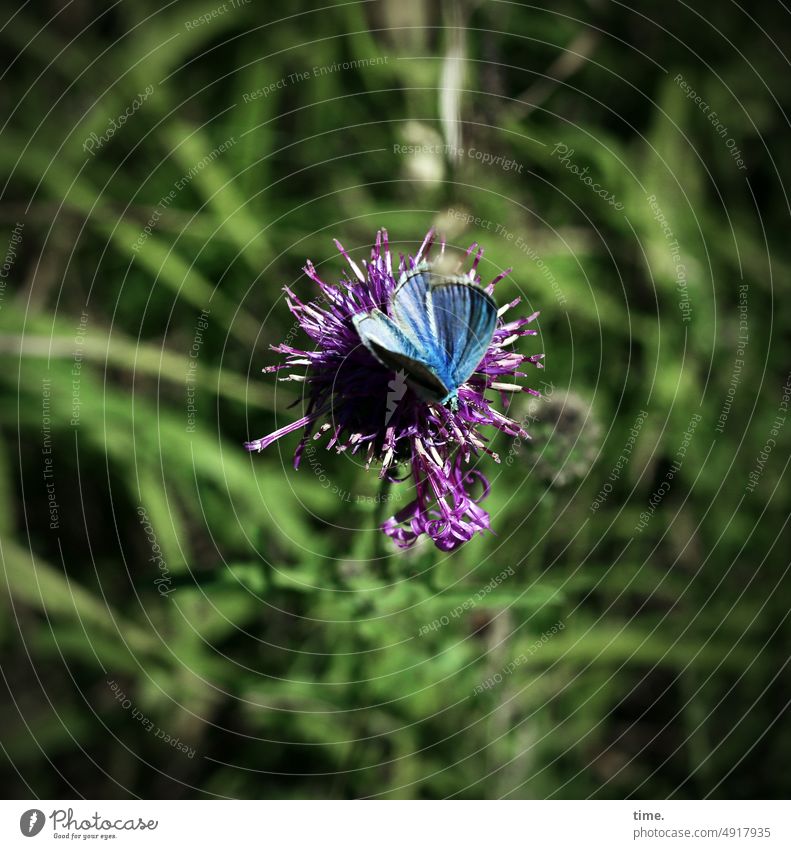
x,y
357,405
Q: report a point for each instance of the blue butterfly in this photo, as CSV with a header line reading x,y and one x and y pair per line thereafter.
x,y
437,333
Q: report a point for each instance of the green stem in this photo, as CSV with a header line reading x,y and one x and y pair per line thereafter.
x,y
380,551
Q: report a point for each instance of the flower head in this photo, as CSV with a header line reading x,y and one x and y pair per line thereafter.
x,y
360,406
566,437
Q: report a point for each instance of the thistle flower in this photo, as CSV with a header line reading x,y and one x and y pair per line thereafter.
x,y
566,438
356,405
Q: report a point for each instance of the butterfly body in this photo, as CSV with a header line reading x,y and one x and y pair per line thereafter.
x,y
437,332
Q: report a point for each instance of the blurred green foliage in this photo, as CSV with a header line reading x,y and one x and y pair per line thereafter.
x,y
289,662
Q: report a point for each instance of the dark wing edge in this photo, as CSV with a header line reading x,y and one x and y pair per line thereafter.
x,y
419,375
406,359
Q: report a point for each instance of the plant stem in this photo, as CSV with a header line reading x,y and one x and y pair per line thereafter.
x,y
380,551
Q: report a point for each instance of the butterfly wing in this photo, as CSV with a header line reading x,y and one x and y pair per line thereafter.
x,y
410,307
465,317
394,350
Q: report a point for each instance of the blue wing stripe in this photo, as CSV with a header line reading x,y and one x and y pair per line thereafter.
x,y
410,307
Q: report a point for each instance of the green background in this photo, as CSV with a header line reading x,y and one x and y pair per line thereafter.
x,y
292,654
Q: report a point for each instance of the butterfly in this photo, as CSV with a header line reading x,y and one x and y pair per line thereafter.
x,y
437,332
